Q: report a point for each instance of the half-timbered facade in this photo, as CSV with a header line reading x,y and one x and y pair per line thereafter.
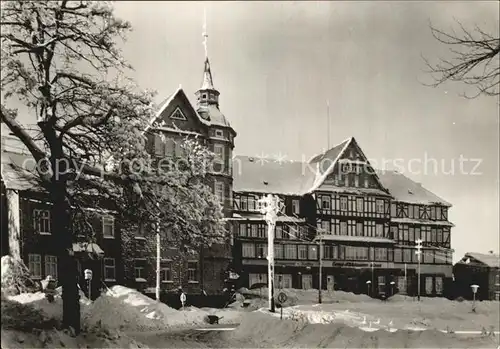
x,y
358,214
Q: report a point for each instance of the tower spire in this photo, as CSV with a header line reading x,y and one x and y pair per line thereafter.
x,y
205,35
207,94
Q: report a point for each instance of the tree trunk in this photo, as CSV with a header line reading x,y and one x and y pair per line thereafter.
x,y
61,218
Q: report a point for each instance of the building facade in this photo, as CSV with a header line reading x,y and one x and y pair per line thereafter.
x,y
358,215
478,269
28,230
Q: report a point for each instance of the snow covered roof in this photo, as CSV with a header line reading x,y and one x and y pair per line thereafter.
x,y
421,221
216,118
18,171
259,175
208,83
490,260
404,189
260,217
252,174
347,238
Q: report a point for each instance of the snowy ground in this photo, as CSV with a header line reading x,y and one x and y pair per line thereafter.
x,y
399,312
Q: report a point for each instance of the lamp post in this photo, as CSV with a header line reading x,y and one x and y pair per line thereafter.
x,y
418,252
474,291
320,268
368,283
158,255
271,205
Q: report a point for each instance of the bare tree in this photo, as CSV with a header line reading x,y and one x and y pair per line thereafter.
x,y
61,59
474,61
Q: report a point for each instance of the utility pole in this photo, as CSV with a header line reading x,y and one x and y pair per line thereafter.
x,y
320,268
158,256
271,205
418,252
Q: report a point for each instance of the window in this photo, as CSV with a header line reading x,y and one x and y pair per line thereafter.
x,y
278,251
35,265
393,232
192,271
366,182
254,230
428,256
359,229
380,254
416,211
411,233
219,133
433,213
295,206
219,191
290,252
41,221
244,203
439,284
139,270
407,255
284,280
325,203
428,285
108,226
380,206
261,251
302,252
393,210
439,215
343,228
351,227
325,227
343,203
256,279
313,252
166,271
243,229
359,205
410,211
379,230
248,250
398,256
178,115
109,269
51,266
219,155
279,232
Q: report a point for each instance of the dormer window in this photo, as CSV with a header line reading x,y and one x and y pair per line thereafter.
x,y
219,133
204,96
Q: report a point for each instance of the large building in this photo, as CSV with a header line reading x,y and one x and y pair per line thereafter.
x,y
367,221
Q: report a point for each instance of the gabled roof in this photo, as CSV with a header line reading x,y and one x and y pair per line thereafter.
x,y
404,189
299,178
489,260
330,158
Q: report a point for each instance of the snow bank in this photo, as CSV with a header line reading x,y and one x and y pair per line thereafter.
x,y
128,309
15,276
260,329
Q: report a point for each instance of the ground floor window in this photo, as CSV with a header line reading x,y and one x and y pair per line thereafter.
x,y
193,272
381,284
306,281
35,265
402,285
109,269
428,285
256,279
51,266
166,271
497,296
439,285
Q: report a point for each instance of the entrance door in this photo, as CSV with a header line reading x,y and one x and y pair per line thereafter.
x,y
329,283
306,281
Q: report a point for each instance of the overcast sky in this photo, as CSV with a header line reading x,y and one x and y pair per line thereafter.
x,y
277,63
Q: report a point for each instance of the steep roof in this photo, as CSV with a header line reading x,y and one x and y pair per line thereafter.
x,y
298,178
216,118
208,82
404,189
489,260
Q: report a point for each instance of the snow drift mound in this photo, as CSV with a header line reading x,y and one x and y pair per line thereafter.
x,y
263,330
128,309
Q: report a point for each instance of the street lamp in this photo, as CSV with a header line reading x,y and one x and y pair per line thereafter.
x,y
368,283
418,252
474,291
320,248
